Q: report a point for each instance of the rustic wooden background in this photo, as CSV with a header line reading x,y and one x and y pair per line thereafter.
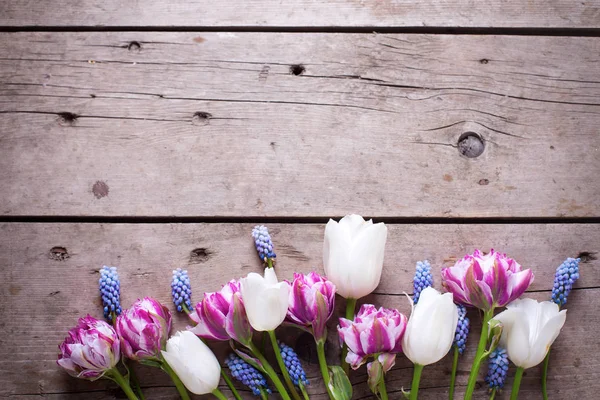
x,y
154,134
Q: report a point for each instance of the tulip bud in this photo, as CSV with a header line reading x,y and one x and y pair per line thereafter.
x,y
494,334
353,255
193,362
265,299
91,350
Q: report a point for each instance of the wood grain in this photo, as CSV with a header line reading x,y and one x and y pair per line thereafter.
x,y
215,124
49,278
303,13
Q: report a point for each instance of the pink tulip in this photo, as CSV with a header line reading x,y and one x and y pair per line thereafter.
x,y
373,332
91,349
144,329
311,303
486,281
222,316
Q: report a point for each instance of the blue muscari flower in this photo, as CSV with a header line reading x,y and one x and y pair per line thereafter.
x,y
462,329
181,291
292,364
110,290
263,242
566,275
422,279
497,368
247,374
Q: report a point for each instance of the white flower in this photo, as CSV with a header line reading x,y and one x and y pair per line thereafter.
x,y
353,255
530,328
193,362
431,327
265,300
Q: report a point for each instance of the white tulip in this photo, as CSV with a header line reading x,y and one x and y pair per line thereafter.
x,y
193,362
431,327
530,328
353,255
265,300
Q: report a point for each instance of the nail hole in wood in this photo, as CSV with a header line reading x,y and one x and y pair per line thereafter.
x,y
200,255
484,182
470,144
484,61
67,118
59,253
587,256
201,118
134,46
297,69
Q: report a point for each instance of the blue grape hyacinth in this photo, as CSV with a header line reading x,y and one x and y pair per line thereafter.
x,y
110,290
462,329
564,279
292,364
422,279
247,374
497,369
263,243
181,290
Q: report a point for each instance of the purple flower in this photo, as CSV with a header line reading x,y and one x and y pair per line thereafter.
x,y
486,281
144,329
222,316
90,350
373,332
311,303
263,243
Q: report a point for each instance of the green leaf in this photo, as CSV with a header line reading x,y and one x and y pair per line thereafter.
x,y
152,362
340,387
375,373
494,334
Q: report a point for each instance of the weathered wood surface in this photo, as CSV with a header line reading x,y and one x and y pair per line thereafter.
x,y
43,291
302,13
215,124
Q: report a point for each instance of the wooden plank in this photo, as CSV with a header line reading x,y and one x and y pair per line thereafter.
x,y
303,13
215,124
43,291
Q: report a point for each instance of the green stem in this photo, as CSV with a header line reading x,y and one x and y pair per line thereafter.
x,y
414,389
480,355
229,383
263,395
453,376
493,394
303,390
517,384
136,384
545,376
178,384
323,365
116,376
218,394
382,389
284,371
350,307
270,371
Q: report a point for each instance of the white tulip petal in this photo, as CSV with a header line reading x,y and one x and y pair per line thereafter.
x,y
517,344
270,276
548,334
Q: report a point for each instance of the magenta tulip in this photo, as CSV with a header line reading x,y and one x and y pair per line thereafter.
x,y
222,316
486,281
311,303
91,349
374,332
144,329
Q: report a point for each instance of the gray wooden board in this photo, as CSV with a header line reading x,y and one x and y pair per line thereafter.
x,y
214,124
49,278
303,13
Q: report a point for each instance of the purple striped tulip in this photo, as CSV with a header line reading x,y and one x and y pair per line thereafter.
x,y
91,349
222,316
373,332
311,303
486,281
144,329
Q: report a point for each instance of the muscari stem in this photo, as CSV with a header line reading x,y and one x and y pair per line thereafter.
x,y
218,394
178,384
303,390
545,376
493,394
517,384
284,371
453,376
229,383
382,389
136,384
323,365
350,307
414,389
480,355
270,371
116,376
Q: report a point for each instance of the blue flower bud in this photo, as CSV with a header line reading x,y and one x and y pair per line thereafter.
x,y
247,374
422,279
181,291
497,368
263,243
462,329
292,364
110,291
564,279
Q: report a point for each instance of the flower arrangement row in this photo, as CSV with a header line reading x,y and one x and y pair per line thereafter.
x,y
353,252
